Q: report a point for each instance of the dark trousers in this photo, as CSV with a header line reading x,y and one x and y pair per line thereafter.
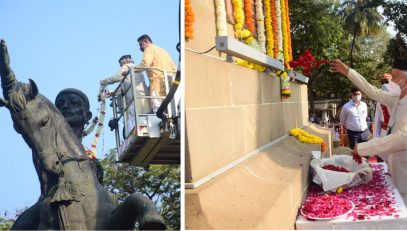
x,y
357,137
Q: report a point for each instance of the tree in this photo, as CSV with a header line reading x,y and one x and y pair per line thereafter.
x,y
396,11
322,34
361,19
160,183
325,36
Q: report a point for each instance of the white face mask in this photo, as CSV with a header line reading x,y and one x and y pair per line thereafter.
x,y
356,98
393,88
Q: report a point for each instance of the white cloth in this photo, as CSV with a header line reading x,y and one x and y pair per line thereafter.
x,y
331,180
395,144
353,116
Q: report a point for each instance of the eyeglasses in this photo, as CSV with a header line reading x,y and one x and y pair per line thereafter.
x,y
384,81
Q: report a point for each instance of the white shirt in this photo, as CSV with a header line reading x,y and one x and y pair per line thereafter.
x,y
353,116
395,144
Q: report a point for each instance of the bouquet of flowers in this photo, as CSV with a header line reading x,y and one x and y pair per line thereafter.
x,y
305,63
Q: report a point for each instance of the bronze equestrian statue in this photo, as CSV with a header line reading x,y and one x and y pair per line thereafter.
x,y
71,196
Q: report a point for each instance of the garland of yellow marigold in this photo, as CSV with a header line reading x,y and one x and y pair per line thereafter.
x,y
189,20
305,137
274,22
269,27
285,32
261,35
221,23
244,35
248,10
238,14
290,50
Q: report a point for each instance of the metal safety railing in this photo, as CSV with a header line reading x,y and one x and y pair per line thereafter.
x,y
131,110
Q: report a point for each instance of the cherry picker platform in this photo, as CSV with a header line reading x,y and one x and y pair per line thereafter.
x,y
148,137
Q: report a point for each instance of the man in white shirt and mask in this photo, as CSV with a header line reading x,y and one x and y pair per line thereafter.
x,y
353,117
394,144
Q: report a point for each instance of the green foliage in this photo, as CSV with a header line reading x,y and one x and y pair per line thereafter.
x,y
361,19
160,183
5,223
396,11
320,33
325,36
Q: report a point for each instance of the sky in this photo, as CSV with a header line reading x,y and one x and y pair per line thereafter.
x,y
71,43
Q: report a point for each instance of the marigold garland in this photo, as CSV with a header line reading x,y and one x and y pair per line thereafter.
x,y
189,20
285,31
238,14
261,33
305,137
290,49
102,99
221,24
269,27
280,55
244,35
274,22
248,10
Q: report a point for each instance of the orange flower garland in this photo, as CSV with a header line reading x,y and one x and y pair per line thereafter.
x,y
269,28
323,147
290,49
189,20
285,33
248,10
274,22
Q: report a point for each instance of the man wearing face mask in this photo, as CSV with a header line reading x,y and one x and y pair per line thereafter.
x,y
353,117
140,89
155,56
394,144
382,112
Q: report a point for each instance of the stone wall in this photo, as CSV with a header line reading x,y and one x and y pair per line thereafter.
x,y
231,113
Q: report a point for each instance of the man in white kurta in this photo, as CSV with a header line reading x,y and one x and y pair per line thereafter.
x,y
382,112
394,144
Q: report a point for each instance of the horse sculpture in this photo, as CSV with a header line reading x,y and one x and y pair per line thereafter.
x,y
71,196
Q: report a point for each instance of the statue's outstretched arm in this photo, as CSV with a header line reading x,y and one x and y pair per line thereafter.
x,y
8,78
5,68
